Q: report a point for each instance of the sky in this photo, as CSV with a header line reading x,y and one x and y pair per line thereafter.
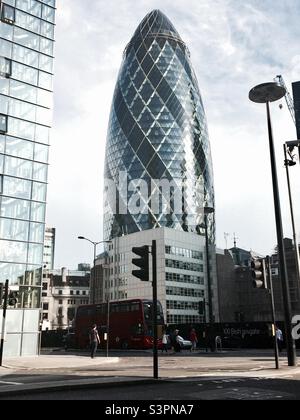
x,y
235,45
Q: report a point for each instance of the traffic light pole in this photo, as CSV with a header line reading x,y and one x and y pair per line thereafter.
x,y
3,321
296,245
154,315
271,290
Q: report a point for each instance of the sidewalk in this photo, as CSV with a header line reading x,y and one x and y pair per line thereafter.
x,y
57,372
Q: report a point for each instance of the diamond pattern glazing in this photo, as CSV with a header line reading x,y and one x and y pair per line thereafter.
x,y
157,131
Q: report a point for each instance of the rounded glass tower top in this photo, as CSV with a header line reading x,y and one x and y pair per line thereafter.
x,y
158,166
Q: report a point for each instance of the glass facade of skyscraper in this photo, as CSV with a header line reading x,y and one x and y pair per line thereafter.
x,y
26,77
157,131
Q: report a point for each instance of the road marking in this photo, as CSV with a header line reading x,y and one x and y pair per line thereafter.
x,y
11,383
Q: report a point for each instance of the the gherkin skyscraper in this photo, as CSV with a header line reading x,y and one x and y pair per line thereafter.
x,y
157,131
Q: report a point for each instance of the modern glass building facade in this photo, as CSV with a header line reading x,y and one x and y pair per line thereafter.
x,y
158,131
26,76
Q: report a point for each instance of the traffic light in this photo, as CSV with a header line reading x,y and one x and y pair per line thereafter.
x,y
201,308
142,262
259,273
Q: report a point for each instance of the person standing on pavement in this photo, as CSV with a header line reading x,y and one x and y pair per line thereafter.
x,y
165,340
194,339
279,338
94,340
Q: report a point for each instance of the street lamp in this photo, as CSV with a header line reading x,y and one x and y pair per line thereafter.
x,y
288,162
207,212
95,244
266,93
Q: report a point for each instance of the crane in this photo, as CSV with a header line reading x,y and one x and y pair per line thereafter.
x,y
289,100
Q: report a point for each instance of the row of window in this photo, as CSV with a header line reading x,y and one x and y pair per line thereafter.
x,y
23,168
181,291
183,265
23,91
185,319
26,56
43,9
77,302
20,252
181,305
73,292
13,16
24,129
22,209
21,274
70,302
117,283
183,252
17,230
27,39
24,149
22,188
181,278
28,75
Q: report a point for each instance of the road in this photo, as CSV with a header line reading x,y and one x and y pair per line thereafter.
x,y
247,374
192,389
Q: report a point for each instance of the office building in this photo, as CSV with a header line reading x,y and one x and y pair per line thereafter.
x,y
158,172
62,292
49,248
26,77
239,301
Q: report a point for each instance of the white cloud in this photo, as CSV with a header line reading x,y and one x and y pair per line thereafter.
x,y
234,45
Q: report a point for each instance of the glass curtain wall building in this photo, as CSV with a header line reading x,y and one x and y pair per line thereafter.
x,y
26,76
157,131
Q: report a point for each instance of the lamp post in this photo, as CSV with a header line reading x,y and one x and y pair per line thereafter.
x,y
266,93
207,212
95,244
289,161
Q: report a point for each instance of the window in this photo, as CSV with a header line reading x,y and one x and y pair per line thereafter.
x,y
8,14
60,302
45,306
60,292
45,286
5,67
3,124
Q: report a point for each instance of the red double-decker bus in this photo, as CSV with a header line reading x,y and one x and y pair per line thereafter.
x,y
129,323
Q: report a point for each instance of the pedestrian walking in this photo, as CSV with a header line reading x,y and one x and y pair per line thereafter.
x,y
193,339
165,340
279,338
177,347
94,340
